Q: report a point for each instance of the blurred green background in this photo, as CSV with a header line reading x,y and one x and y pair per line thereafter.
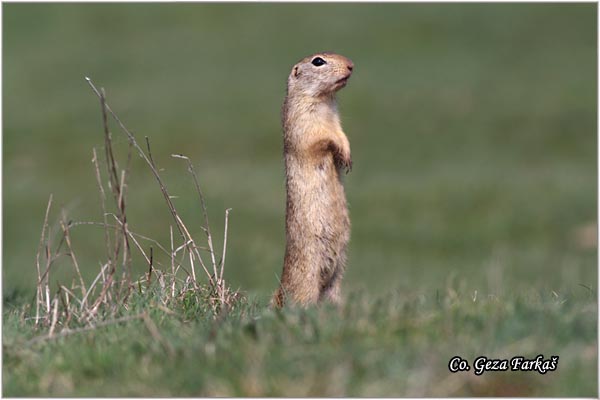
x,y
472,126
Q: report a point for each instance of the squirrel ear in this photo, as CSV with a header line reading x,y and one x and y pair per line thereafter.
x,y
296,71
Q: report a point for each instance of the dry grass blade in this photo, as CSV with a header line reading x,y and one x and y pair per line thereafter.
x,y
111,164
39,293
64,299
68,291
224,244
100,274
67,236
54,317
172,263
113,182
137,244
103,204
123,214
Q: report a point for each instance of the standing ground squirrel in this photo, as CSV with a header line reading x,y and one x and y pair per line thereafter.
x,y
316,151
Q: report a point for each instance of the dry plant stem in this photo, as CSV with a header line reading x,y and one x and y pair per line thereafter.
x,y
131,234
220,287
150,266
180,226
192,265
46,275
224,244
67,291
107,285
126,248
54,317
100,274
139,247
49,261
204,212
45,278
66,304
47,288
126,262
137,244
67,236
113,182
124,187
102,202
107,293
111,164
180,264
39,292
184,247
118,188
172,263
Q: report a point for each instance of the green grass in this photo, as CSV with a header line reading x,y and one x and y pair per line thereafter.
x,y
394,344
473,133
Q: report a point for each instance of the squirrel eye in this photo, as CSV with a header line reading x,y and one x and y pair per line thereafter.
x,y
318,61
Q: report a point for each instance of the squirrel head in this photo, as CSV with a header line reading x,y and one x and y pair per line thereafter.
x,y
319,75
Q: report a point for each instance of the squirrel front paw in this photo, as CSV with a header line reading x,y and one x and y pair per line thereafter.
x,y
348,164
343,161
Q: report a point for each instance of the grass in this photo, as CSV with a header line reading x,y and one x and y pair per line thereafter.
x,y
392,344
473,131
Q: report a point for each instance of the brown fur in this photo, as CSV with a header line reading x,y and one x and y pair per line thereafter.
x,y
316,152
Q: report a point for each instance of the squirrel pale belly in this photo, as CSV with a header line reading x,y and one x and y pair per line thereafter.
x,y
317,154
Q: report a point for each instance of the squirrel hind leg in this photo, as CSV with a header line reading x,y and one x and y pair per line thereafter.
x,y
332,290
303,296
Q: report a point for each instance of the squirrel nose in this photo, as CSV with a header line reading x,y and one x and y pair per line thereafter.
x,y
350,67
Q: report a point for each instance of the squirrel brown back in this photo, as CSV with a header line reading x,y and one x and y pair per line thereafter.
x,y
316,153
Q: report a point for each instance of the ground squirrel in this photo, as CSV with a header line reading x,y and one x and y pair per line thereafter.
x,y
316,152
